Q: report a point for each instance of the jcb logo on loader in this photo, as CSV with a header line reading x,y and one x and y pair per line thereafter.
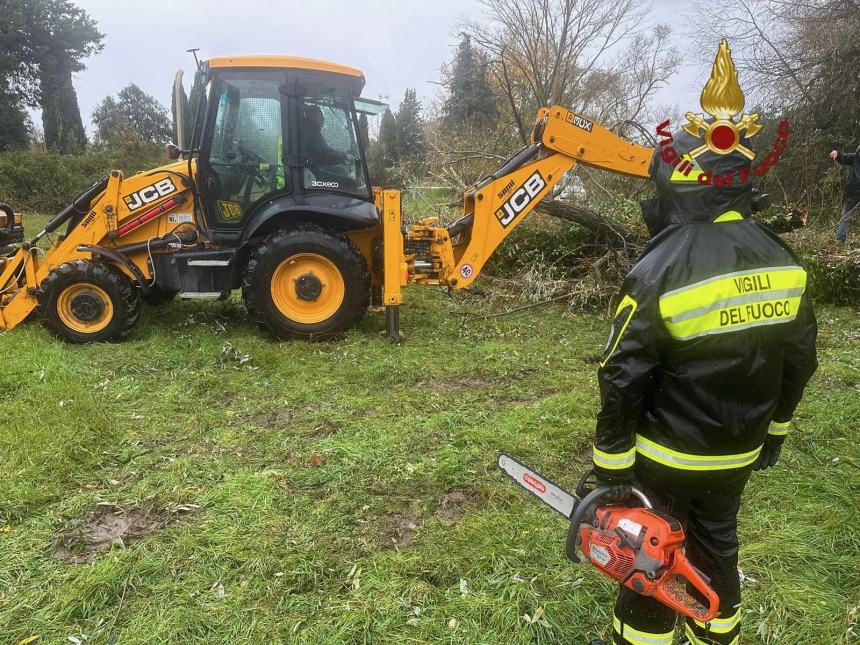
x,y
521,198
149,194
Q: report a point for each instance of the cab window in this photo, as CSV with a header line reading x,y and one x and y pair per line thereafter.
x,y
245,160
329,148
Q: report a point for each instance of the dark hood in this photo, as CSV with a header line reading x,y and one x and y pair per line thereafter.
x,y
682,202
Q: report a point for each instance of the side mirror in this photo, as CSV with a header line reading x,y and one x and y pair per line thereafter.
x,y
172,151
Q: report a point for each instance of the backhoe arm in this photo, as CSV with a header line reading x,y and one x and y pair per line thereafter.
x,y
498,205
454,256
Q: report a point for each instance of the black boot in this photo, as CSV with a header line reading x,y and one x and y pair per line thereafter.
x,y
597,642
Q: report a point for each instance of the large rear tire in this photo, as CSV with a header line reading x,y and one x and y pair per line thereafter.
x,y
86,301
306,282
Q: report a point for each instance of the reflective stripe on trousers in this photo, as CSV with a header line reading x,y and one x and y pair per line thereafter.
x,y
721,625
694,640
639,637
779,428
719,631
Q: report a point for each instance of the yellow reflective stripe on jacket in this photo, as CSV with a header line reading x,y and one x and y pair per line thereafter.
x,y
779,428
722,625
729,216
685,461
626,302
613,460
691,170
734,301
639,637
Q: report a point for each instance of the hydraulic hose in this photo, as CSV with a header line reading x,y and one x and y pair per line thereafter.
x,y
521,158
186,236
80,205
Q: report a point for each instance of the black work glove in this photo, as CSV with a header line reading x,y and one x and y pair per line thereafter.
x,y
769,452
619,487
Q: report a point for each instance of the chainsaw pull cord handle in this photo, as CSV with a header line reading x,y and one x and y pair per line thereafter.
x,y
585,505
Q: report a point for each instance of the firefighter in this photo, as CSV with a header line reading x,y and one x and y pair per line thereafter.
x,y
851,197
712,344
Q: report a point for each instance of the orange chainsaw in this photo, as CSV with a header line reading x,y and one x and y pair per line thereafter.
x,y
640,547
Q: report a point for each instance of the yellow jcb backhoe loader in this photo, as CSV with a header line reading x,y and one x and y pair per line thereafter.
x,y
271,195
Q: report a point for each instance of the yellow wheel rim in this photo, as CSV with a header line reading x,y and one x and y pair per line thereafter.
x,y
308,288
85,308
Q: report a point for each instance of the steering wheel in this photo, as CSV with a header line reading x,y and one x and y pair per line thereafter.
x,y
249,157
252,162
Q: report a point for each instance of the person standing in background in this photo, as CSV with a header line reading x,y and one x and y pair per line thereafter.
x,y
851,196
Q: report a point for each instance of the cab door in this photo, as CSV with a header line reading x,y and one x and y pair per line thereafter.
x,y
244,161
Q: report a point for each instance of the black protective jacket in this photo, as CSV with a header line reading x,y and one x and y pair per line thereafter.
x,y
852,183
714,335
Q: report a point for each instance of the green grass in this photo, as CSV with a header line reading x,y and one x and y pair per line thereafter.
x,y
369,546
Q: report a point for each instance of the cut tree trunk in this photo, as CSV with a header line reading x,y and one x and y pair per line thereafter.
x,y
591,220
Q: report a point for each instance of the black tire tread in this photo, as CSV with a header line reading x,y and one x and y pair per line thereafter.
x,y
358,275
126,299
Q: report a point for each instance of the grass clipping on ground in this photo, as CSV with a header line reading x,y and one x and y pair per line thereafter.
x,y
202,483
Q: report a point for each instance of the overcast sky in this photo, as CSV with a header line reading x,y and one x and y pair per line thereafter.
x,y
396,44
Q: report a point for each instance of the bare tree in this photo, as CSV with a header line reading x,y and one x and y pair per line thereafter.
x,y
461,157
796,60
544,52
593,56
787,52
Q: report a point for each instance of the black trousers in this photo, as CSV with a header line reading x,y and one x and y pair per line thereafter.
x,y
707,503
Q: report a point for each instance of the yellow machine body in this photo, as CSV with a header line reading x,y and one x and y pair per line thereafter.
x,y
112,230
98,228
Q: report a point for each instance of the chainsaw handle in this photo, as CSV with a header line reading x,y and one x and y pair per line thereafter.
x,y
672,590
586,504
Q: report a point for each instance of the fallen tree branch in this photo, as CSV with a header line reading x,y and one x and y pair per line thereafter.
x,y
592,220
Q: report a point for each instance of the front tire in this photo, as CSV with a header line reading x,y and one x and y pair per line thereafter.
x,y
86,301
306,282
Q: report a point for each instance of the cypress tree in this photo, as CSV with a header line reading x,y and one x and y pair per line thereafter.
x,y
470,100
14,128
410,128
61,117
388,140
62,36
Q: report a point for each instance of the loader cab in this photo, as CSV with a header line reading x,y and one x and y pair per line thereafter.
x,y
279,135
